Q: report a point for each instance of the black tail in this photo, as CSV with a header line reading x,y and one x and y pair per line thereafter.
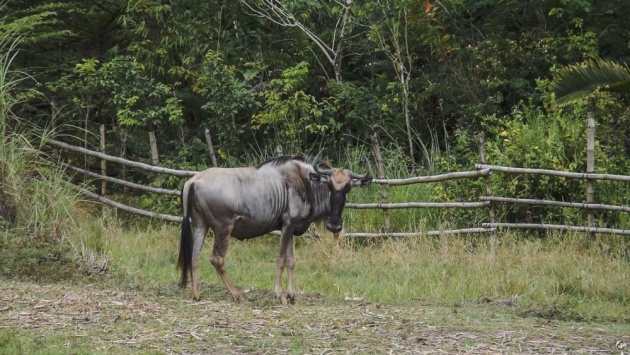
x,y
186,242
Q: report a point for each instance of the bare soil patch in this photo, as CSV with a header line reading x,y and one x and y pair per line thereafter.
x,y
94,319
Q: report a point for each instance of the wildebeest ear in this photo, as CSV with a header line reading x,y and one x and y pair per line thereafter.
x,y
363,182
316,177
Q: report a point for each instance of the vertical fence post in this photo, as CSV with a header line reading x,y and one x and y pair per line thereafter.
x,y
213,156
486,179
590,168
381,175
103,164
155,158
53,119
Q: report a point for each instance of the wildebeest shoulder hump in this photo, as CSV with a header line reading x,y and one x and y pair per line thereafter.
x,y
283,159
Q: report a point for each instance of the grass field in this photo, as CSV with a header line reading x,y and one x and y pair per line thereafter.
x,y
568,276
467,294
93,319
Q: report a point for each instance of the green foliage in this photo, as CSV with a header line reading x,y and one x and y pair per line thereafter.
x,y
35,197
189,65
32,194
226,94
37,24
136,98
579,80
290,113
533,139
552,139
361,109
468,59
36,208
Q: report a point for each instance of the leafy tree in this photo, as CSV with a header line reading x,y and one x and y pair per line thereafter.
x,y
283,15
227,93
580,80
414,71
290,114
585,80
200,50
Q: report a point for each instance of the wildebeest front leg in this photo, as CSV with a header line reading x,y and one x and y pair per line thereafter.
x,y
286,243
221,243
290,261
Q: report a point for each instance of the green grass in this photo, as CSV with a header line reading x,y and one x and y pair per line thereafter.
x,y
562,276
21,342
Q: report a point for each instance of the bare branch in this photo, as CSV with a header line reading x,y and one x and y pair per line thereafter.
x,y
275,12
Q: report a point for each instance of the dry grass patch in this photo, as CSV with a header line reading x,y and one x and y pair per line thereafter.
x,y
62,318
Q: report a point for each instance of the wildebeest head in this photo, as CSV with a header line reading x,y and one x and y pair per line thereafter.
x,y
339,183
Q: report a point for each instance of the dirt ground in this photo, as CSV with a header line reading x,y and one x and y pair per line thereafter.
x,y
94,319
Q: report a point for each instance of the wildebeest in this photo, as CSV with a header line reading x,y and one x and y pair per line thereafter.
x,y
284,193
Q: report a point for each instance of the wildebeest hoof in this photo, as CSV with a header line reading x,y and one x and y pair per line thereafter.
x,y
283,298
291,298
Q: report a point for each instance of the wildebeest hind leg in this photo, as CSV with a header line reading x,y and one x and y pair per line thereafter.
x,y
198,237
221,243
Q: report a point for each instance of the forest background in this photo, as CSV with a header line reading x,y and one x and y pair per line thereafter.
x,y
427,77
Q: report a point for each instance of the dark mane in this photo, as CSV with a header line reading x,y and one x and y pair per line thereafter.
x,y
283,159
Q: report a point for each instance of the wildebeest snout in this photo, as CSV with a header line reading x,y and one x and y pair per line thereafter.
x,y
334,225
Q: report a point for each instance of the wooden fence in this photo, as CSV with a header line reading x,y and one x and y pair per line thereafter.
x,y
482,170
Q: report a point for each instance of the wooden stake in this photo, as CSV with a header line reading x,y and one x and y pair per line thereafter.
x,y
486,178
213,156
381,175
590,167
103,164
155,159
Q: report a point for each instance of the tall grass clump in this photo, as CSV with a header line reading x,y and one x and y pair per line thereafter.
x,y
36,207
395,164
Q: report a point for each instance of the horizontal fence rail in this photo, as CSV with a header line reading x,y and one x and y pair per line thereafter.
x,y
138,211
133,164
126,183
388,206
583,176
435,178
557,227
422,234
580,205
482,171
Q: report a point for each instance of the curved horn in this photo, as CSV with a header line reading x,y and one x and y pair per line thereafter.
x,y
321,171
368,168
